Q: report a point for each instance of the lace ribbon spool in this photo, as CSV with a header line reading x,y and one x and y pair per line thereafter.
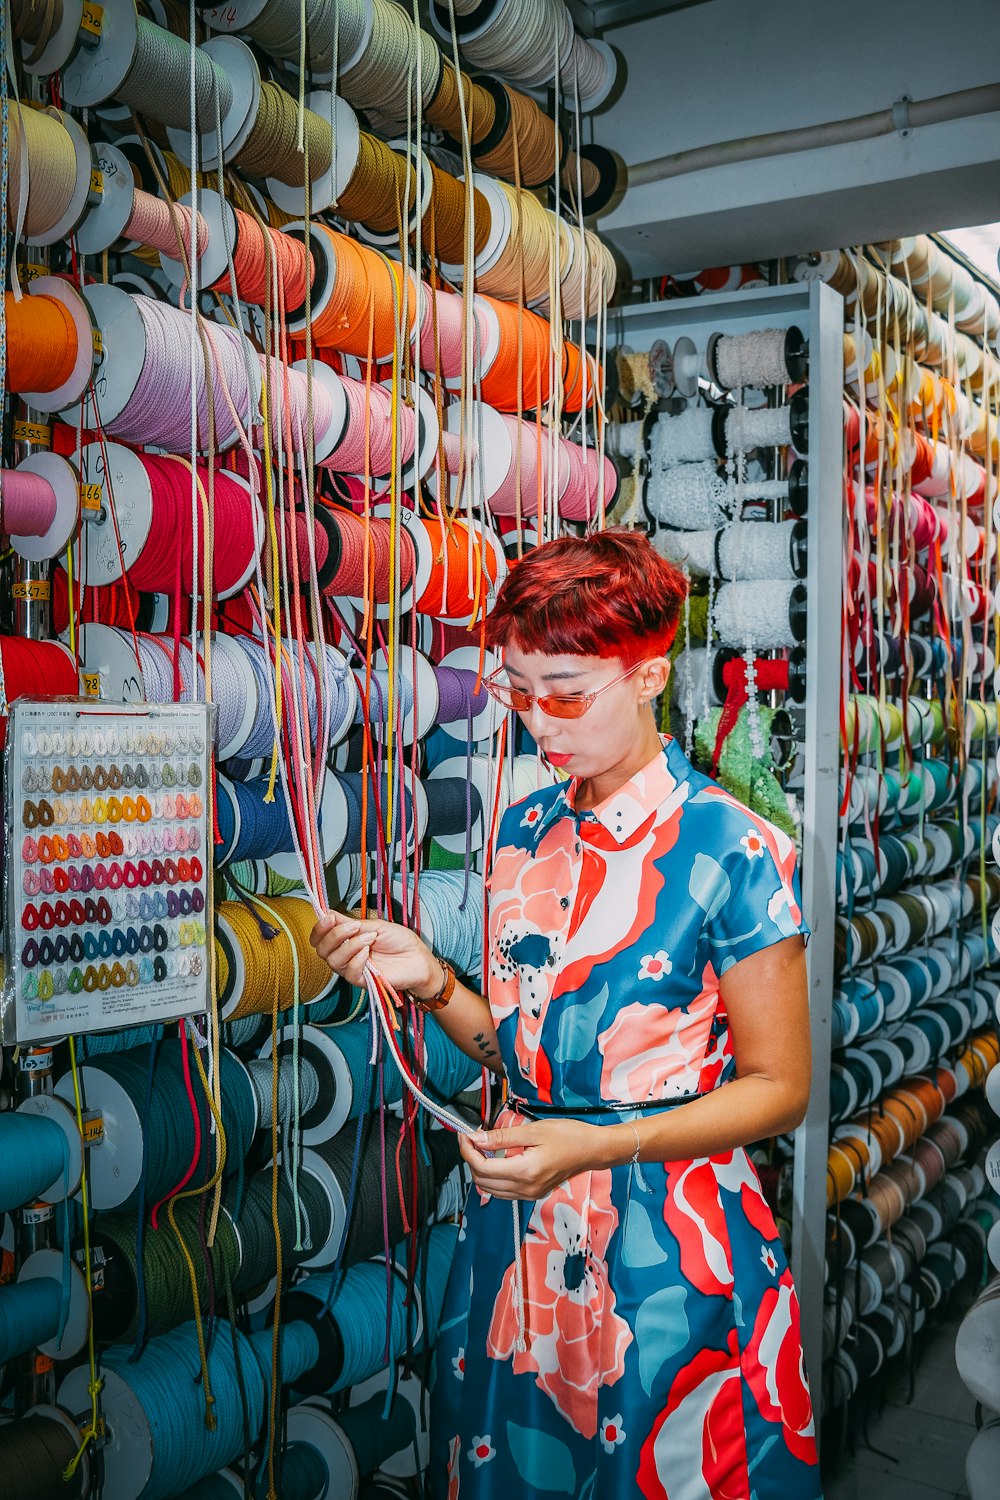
x,y
769,614
762,359
684,438
688,496
39,506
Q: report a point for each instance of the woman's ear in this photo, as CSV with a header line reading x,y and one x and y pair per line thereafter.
x,y
653,678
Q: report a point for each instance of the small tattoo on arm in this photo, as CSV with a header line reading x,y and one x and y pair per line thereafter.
x,y
483,1044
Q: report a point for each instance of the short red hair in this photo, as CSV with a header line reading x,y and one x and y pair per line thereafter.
x,y
610,594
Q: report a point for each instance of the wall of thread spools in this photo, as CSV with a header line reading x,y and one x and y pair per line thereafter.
x,y
718,406
284,351
916,1006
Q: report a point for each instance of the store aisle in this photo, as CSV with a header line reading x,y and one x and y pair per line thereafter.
x,y
922,1443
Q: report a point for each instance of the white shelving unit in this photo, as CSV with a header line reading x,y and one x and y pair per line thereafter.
x,y
818,312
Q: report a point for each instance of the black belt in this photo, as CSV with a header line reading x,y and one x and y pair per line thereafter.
x,y
536,1110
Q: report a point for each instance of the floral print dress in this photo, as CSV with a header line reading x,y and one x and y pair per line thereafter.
x,y
661,1353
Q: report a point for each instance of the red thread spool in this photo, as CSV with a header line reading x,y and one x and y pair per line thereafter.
x,y
35,669
108,605
366,553
166,561
852,427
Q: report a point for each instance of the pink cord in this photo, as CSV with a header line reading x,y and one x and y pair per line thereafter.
x,y
27,503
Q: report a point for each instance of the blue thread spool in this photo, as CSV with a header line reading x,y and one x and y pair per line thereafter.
x,y
37,1155
449,1070
30,1313
159,1444
351,1330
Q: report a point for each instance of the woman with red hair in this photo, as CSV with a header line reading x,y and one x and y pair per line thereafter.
x,y
638,1333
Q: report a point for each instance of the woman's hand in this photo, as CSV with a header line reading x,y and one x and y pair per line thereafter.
x,y
537,1156
347,943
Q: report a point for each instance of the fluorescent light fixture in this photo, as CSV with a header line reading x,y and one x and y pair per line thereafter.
x,y
979,245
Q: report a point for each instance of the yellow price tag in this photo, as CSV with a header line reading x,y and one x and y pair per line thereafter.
x,y
93,1129
33,432
93,18
91,496
98,343
37,589
91,689
33,270
97,183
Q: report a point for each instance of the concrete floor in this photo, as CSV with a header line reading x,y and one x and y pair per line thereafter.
x,y
921,1445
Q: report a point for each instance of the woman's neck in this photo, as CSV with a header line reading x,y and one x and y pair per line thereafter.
x,y
594,790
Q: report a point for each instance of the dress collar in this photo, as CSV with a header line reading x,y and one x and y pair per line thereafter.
x,y
627,809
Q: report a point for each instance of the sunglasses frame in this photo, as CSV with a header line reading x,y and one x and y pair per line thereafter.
x,y
587,700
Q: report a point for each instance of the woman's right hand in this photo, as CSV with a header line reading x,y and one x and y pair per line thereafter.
x,y
347,943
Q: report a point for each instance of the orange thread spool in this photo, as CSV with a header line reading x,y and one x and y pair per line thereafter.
x,y
42,343
359,315
448,592
839,1176
500,385
358,557
291,262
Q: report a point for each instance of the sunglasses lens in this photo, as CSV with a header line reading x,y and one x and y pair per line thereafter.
x,y
564,708
509,697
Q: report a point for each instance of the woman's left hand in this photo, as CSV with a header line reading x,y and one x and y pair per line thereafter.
x,y
537,1156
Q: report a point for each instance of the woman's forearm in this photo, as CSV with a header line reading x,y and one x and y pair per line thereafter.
x,y
466,1019
744,1110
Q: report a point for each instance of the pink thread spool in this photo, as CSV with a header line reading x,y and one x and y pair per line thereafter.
x,y
39,506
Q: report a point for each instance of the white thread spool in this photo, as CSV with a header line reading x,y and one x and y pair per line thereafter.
x,y
760,427
693,678
626,440
684,438
688,496
761,359
767,613
762,549
694,550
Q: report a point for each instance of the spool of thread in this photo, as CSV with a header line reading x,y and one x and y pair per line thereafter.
x,y
166,1278
147,399
762,359
762,549
183,1448
39,506
532,44
373,1438
35,1451
687,495
260,961
458,555
355,1342
29,1315
49,344
770,615
34,669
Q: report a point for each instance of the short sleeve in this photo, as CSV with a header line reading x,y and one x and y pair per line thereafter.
x,y
753,893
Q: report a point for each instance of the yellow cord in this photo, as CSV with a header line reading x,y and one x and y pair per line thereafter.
x,y
91,1431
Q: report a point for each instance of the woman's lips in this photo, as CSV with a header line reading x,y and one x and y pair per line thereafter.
x,y
557,760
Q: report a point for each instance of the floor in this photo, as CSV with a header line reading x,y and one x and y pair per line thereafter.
x,y
921,1446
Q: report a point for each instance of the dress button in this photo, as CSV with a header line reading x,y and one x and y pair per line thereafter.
x,y
564,902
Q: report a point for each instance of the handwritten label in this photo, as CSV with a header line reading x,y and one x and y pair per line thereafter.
x,y
91,496
96,183
38,590
33,432
91,689
32,270
92,20
98,343
39,1061
93,1129
38,1213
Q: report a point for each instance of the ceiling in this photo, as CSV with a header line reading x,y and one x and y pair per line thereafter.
x,y
592,16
